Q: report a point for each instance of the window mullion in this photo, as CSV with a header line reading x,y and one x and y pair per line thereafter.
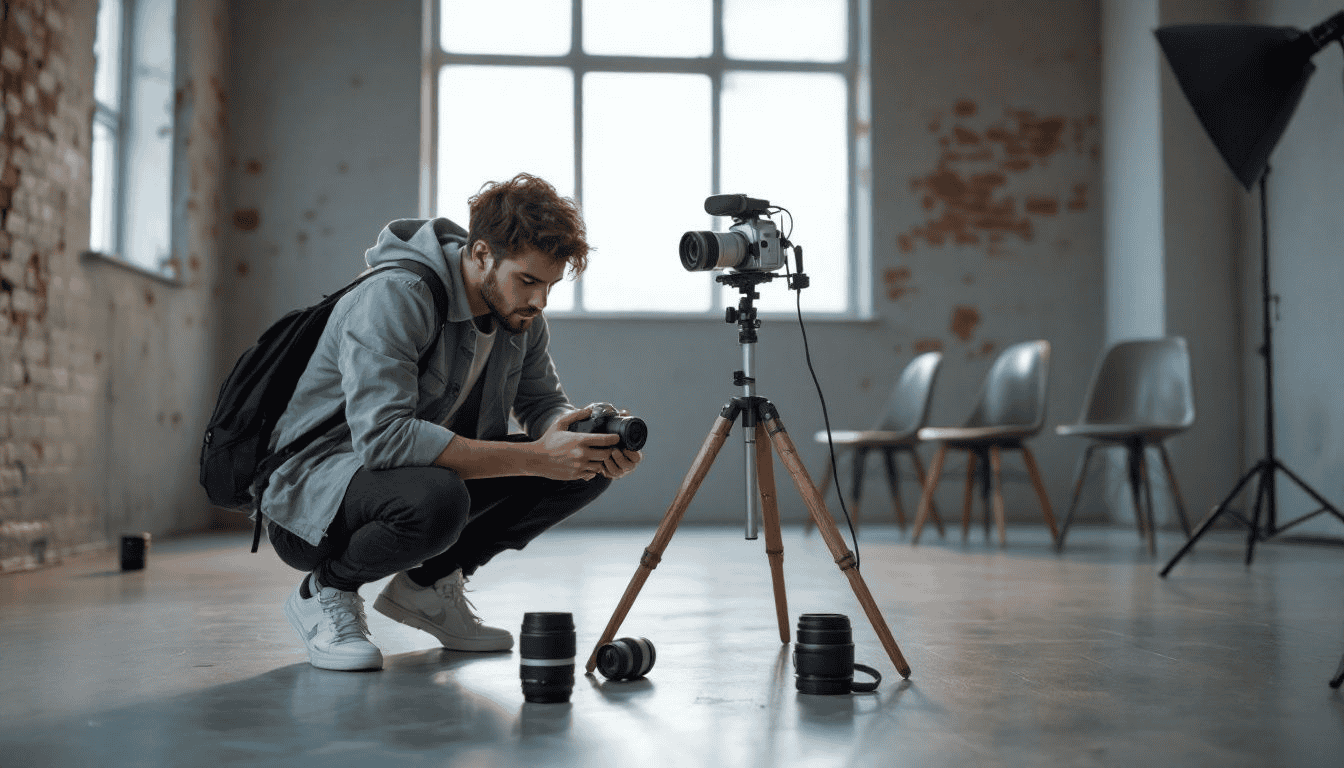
x,y
577,70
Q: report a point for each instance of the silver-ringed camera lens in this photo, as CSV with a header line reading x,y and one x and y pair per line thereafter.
x,y
703,250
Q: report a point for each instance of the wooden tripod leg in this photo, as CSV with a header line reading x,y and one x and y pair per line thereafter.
x,y
654,552
826,526
774,542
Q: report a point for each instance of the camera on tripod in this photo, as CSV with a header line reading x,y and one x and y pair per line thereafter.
x,y
752,244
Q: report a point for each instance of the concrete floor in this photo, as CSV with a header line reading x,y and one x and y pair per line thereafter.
x,y
1021,657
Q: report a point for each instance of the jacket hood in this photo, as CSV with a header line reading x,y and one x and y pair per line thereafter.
x,y
436,243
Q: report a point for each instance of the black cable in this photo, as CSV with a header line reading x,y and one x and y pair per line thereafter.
x,y
807,352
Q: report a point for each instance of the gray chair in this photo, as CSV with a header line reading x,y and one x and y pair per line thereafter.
x,y
895,431
1010,409
1141,394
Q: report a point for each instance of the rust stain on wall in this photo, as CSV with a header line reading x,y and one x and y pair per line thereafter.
x,y
243,269
898,282
254,167
968,196
247,219
1078,200
1042,206
928,345
964,320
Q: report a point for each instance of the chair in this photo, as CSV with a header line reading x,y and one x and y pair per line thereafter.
x,y
895,431
1140,395
1010,409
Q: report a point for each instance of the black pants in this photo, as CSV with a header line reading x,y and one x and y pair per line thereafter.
x,y
393,520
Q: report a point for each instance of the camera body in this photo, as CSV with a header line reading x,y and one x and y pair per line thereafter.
x,y
752,244
606,420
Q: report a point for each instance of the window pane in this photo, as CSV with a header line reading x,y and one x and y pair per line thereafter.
x,y
482,136
528,27
795,30
148,137
648,28
646,171
107,54
102,235
801,164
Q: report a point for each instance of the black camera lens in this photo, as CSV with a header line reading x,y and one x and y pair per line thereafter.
x,y
823,656
628,658
633,431
699,251
546,645
703,251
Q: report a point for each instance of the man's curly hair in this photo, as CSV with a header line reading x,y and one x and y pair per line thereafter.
x,y
526,213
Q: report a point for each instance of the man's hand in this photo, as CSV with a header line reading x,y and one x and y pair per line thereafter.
x,y
621,463
565,455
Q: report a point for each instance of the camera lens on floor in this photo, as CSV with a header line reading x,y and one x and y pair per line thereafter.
x,y
823,656
546,645
628,658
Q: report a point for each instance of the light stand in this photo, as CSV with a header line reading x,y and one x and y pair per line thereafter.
x,y
1244,83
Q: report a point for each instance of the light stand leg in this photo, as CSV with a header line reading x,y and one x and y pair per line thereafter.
x,y
774,542
699,469
1213,517
826,526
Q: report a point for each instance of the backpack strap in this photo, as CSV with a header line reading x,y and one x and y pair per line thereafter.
x,y
273,461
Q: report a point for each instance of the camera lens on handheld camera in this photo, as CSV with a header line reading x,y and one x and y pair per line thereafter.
x,y
633,431
628,658
823,656
546,645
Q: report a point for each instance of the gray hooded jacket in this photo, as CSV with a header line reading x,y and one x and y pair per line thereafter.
x,y
367,361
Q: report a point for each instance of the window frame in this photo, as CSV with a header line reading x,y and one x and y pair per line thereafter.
x,y
854,70
119,121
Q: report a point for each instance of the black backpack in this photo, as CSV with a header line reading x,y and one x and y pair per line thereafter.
x,y
235,456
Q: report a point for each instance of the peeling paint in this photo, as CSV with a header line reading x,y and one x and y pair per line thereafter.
x,y
964,320
968,197
928,345
898,282
247,219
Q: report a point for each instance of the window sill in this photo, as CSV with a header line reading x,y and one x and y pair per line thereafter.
x,y
98,257
672,317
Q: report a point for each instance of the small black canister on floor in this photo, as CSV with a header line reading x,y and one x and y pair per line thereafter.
x,y
133,549
546,645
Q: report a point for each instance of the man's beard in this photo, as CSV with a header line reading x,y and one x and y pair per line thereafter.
x,y
491,294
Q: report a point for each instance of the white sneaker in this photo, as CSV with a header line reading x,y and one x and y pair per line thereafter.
x,y
443,611
332,625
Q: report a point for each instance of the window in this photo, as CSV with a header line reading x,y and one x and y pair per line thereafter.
x,y
132,157
641,110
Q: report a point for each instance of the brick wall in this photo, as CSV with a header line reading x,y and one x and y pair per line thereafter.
x,y
48,360
106,374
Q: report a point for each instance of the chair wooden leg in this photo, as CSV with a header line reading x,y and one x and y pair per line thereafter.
x,y
1132,461
1148,499
1175,489
1035,472
933,506
926,496
1000,515
1077,492
970,492
860,460
894,483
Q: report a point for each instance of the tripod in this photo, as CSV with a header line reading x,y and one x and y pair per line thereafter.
x,y
761,426
1264,470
